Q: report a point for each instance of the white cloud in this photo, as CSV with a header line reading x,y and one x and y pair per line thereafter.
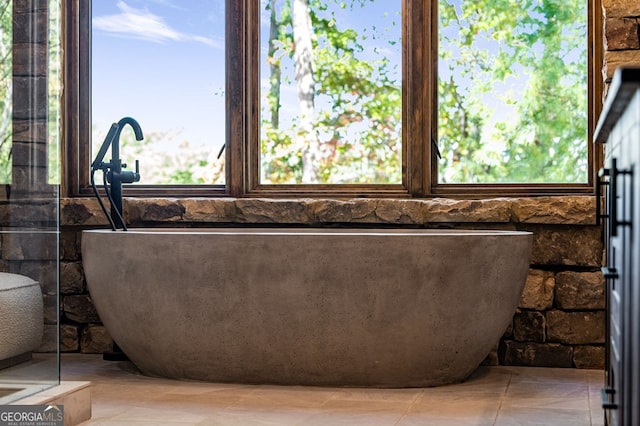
x,y
144,25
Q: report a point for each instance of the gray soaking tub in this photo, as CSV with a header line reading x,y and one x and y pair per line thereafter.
x,y
335,307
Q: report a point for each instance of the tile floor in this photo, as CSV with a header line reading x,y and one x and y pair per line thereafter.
x,y
492,396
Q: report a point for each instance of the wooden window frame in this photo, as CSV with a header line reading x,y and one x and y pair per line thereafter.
x,y
419,168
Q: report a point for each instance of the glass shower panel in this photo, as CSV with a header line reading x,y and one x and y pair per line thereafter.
x,y
29,197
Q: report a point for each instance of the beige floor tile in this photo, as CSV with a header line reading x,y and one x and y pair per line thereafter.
x,y
104,410
501,395
275,417
354,419
574,396
426,419
528,416
460,406
283,396
159,414
597,417
491,382
371,406
362,394
548,375
217,398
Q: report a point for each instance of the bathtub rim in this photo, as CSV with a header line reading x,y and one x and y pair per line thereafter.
x,y
319,231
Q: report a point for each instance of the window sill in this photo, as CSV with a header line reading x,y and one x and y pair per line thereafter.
x,y
557,210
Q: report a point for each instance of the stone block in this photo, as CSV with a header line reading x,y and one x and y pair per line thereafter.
x,y
69,338
534,354
336,211
33,132
95,340
30,59
209,210
508,333
49,339
538,290
580,290
81,211
529,326
566,245
26,6
401,211
621,34
273,211
620,8
565,210
30,246
153,210
79,308
29,22
51,308
43,271
619,58
443,210
71,278
589,356
30,98
69,244
576,328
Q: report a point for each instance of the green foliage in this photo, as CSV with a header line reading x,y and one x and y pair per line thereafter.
x,y
5,90
539,131
358,111
55,91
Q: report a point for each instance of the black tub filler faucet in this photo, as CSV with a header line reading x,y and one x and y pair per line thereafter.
x,y
113,174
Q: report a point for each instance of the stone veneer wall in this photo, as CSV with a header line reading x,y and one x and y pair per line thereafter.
x,y
29,205
560,321
621,35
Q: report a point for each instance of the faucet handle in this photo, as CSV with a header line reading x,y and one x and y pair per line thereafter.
x,y
136,174
130,177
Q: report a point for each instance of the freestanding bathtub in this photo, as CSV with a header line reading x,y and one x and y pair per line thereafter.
x,y
338,307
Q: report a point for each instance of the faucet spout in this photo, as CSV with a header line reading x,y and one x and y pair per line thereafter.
x,y
137,130
116,176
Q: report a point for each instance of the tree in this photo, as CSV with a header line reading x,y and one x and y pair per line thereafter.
x,y
536,135
303,59
355,137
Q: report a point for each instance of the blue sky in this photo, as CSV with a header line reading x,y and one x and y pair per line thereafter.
x,y
161,62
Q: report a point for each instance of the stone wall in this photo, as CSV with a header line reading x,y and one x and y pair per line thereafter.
x,y
560,321
29,205
621,35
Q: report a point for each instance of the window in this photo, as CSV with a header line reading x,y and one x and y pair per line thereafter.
x,y
512,91
430,98
6,93
331,92
163,64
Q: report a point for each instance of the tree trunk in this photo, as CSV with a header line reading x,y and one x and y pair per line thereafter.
x,y
303,57
274,67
